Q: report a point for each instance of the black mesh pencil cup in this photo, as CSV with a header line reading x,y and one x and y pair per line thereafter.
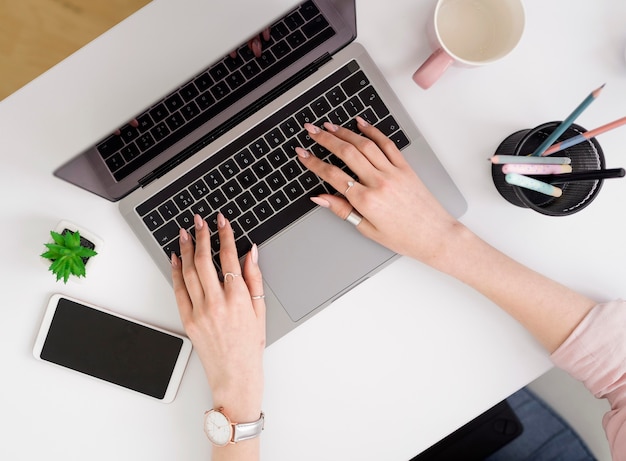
x,y
577,195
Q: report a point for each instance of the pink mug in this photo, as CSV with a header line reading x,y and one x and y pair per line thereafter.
x,y
471,33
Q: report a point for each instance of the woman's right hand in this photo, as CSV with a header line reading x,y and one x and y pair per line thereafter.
x,y
398,210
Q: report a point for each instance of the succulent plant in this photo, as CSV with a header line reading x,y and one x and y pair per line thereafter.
x,y
68,253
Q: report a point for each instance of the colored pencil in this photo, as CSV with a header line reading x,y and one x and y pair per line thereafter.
x,y
501,159
559,146
591,175
565,124
532,168
533,184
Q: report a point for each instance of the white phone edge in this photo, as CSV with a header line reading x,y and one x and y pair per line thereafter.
x,y
177,372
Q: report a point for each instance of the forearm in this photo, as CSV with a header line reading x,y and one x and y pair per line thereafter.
x,y
549,310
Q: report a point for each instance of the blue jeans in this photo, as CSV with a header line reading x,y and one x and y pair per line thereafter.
x,y
546,436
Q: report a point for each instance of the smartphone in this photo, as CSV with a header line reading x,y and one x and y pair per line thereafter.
x,y
111,347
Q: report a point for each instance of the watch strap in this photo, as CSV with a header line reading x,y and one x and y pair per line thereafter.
x,y
246,431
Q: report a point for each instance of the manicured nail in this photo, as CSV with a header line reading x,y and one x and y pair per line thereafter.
x,y
256,47
198,222
331,127
174,259
321,202
312,129
302,153
360,121
184,236
254,254
221,220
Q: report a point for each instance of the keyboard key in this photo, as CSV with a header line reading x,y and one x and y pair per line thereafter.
x,y
145,141
129,152
314,27
336,96
229,169
189,91
216,199
199,189
246,178
355,83
168,210
353,106
309,10
276,180
294,21
294,191
400,139
235,80
145,122
388,125
245,201
205,100
259,148
280,49
167,233
320,106
214,179
159,112
371,98
160,131
153,220
175,121
190,110
128,133
231,189
295,39
233,63
203,81
230,211
291,170
305,115
262,168
202,208
218,72
248,221
250,69
183,199
261,191
185,219
115,162
220,90
110,146
262,211
274,138
244,158
174,102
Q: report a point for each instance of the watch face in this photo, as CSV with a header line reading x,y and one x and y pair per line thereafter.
x,y
217,428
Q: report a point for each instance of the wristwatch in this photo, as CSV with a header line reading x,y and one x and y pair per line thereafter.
x,y
221,431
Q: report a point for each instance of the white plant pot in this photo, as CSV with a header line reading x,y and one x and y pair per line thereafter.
x,y
84,233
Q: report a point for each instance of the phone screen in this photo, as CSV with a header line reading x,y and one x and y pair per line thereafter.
x,y
111,348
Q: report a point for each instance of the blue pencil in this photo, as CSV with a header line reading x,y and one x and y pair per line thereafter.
x,y
565,124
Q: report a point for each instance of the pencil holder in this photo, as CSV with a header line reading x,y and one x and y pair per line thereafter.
x,y
575,196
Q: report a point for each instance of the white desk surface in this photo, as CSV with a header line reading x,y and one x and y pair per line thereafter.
x,y
391,367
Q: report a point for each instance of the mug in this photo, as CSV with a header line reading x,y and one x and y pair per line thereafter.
x,y
471,33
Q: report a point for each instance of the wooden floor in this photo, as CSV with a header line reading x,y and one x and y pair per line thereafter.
x,y
37,34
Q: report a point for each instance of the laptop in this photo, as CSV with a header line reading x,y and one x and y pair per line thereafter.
x,y
224,141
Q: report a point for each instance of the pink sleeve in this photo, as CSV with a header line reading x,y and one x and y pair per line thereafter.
x,y
595,353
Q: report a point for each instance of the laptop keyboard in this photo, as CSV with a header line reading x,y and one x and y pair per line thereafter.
x,y
212,91
257,182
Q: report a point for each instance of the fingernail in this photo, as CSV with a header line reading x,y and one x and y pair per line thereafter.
x,y
321,202
302,153
360,121
197,220
174,259
331,127
221,220
312,129
184,236
254,253
256,47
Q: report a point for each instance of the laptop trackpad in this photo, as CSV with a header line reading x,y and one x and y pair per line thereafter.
x,y
316,260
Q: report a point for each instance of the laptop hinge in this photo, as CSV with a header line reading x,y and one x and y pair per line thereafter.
x,y
235,120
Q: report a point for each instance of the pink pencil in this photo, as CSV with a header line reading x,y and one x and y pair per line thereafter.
x,y
584,136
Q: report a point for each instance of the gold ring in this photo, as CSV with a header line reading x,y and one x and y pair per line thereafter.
x,y
231,275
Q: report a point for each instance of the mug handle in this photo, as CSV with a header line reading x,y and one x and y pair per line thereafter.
x,y
433,68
